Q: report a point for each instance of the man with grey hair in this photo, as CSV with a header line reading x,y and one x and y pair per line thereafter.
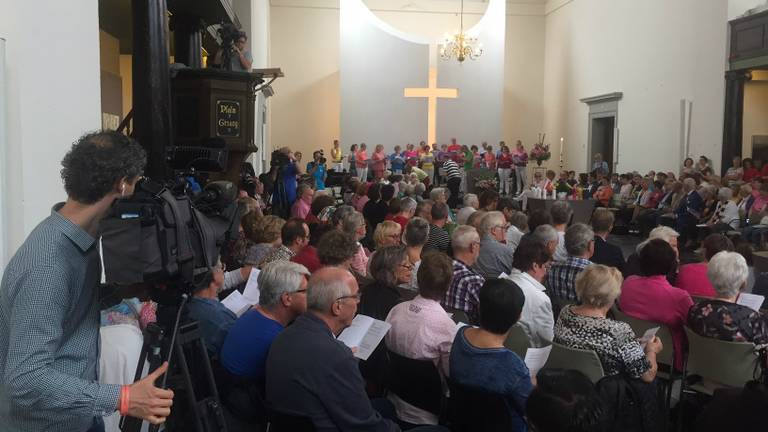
x,y
310,373
283,297
561,214
561,278
722,318
464,292
546,235
495,257
471,204
439,239
688,211
518,226
660,232
424,209
407,210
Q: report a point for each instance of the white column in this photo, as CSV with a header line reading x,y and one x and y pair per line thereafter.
x,y
3,161
259,37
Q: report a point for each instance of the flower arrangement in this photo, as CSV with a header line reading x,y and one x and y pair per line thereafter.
x,y
485,183
540,153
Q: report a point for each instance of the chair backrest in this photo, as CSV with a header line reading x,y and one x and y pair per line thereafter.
x,y
585,361
726,363
459,316
517,341
415,381
667,355
471,410
282,422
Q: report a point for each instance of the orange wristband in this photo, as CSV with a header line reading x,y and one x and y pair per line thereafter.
x,y
125,399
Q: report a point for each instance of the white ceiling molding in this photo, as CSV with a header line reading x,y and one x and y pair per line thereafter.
x,y
528,8
554,5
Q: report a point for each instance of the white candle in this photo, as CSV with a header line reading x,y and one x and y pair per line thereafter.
x,y
561,148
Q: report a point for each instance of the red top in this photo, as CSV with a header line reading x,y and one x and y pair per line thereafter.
x,y
693,278
654,299
504,160
379,161
750,174
308,258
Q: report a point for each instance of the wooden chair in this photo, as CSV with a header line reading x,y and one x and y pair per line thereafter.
x,y
719,363
517,341
584,361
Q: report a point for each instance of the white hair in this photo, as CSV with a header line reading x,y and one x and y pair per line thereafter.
x,y
725,193
278,278
323,292
544,234
470,200
660,232
577,238
728,273
436,193
463,237
491,220
407,204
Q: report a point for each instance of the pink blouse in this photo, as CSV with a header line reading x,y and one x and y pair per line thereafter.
x,y
654,299
693,278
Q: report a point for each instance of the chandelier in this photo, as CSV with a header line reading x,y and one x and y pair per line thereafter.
x,y
461,45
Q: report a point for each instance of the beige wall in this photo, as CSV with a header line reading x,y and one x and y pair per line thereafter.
x,y
304,42
755,112
109,52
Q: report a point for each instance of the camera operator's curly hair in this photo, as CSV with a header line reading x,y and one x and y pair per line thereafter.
x,y
97,161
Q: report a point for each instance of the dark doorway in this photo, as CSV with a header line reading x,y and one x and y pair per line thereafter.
x,y
602,140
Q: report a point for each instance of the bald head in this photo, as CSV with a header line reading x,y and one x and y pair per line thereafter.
x,y
327,285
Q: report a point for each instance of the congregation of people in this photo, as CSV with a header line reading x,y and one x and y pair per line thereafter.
x,y
455,273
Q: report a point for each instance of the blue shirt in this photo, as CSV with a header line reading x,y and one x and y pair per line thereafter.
x,y
493,370
397,161
246,347
49,332
319,175
289,181
214,320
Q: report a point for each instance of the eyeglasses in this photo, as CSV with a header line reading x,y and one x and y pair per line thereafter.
x,y
299,291
407,266
503,227
356,296
394,236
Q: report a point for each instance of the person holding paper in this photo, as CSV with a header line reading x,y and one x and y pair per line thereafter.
x,y
652,298
214,318
478,357
722,317
310,373
422,330
586,326
282,298
532,261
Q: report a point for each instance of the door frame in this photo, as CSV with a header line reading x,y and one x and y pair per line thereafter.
x,y
602,106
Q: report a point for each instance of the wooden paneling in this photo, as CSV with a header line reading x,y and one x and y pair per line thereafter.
x,y
749,37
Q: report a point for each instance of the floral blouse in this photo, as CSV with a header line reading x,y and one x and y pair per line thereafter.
x,y
614,342
728,321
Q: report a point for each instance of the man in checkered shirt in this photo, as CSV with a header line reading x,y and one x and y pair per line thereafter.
x,y
49,305
561,278
464,292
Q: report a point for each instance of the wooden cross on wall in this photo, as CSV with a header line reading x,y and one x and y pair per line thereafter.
x,y
432,93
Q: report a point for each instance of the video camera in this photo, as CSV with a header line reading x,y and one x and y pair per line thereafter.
x,y
167,238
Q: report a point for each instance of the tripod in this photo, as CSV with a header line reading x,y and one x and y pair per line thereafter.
x,y
202,411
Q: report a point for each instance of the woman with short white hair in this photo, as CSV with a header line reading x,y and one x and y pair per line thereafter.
x,y
720,317
586,326
660,232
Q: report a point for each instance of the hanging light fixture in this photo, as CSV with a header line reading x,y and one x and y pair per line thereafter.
x,y
460,45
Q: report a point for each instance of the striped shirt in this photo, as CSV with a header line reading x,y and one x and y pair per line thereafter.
x,y
49,332
451,169
464,291
438,239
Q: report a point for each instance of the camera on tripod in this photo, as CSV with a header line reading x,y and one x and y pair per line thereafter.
x,y
229,34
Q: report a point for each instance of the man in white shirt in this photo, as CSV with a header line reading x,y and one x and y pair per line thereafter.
x,y
471,204
531,263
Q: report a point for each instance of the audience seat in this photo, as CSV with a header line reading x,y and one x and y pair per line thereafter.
x,y
517,341
415,381
719,363
584,361
471,410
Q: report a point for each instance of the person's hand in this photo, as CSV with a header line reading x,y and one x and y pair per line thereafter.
x,y
148,402
654,345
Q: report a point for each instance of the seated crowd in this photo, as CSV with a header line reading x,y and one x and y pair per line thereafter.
x,y
412,257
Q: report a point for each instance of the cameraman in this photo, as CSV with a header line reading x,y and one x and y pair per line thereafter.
x,y
318,170
240,58
284,173
49,304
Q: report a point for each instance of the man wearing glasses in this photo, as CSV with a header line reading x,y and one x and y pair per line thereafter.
x,y
213,318
311,374
495,257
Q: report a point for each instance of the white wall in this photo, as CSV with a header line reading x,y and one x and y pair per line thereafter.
x,y
304,41
656,52
52,99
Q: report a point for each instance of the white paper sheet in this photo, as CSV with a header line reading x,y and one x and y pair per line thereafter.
x,y
251,291
237,303
752,301
536,358
648,335
364,334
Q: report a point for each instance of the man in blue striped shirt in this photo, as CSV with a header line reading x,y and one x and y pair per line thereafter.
x,y
49,304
